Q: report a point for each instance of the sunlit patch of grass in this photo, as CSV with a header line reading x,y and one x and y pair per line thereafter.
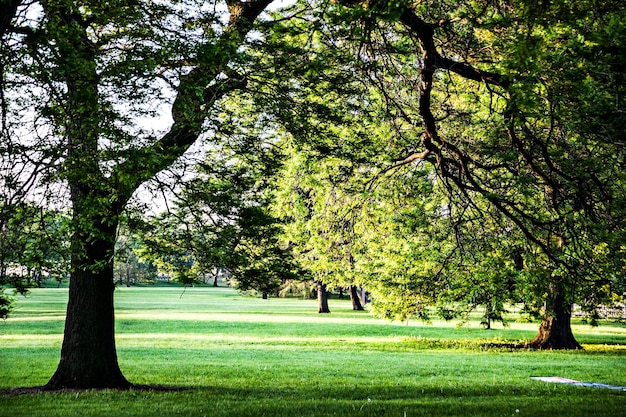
x,y
616,348
38,316
17,340
244,317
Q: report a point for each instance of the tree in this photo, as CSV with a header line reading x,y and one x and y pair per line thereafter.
x,y
221,217
92,71
34,246
320,217
355,298
129,268
496,94
486,101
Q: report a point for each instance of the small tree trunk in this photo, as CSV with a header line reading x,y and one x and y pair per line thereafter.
x,y
555,331
354,297
488,315
322,298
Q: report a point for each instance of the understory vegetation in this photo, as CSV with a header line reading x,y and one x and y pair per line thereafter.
x,y
216,352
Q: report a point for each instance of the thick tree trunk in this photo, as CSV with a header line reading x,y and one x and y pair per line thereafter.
x,y
8,10
88,353
356,300
322,298
555,331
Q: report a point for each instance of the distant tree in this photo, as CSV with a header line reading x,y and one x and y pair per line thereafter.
x,y
129,268
35,244
355,298
221,217
34,247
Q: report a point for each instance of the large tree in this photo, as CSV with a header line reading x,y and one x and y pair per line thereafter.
x,y
519,104
517,107
100,74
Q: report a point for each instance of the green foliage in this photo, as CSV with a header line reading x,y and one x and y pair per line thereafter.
x,y
129,269
221,220
7,304
104,82
34,245
528,155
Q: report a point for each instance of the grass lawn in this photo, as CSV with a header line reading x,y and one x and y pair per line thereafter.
x,y
239,356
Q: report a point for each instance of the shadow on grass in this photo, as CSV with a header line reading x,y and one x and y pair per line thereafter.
x,y
43,390
375,399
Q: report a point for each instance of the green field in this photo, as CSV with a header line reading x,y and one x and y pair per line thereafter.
x,y
224,354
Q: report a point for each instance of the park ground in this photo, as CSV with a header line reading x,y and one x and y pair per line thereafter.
x,y
213,352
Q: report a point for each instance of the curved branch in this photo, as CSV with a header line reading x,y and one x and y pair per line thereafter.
x,y
464,179
425,33
197,92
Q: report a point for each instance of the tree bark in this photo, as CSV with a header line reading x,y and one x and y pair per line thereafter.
x,y
354,297
8,9
88,353
555,331
322,298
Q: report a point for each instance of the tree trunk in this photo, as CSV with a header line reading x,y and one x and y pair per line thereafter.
x,y
88,353
487,317
555,331
322,298
8,10
127,270
354,297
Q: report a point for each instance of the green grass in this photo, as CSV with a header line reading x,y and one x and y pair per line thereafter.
x,y
242,356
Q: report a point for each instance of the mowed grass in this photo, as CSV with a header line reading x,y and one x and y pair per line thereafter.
x,y
233,355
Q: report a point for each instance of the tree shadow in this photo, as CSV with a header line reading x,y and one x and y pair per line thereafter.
x,y
11,392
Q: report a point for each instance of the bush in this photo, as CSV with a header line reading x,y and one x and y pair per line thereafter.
x,y
6,304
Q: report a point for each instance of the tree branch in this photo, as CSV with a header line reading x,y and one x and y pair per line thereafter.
x,y
425,33
198,91
8,10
